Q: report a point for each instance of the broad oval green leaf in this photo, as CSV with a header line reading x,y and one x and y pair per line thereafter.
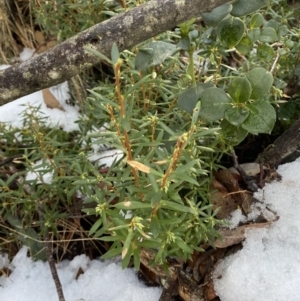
x,y
253,34
214,102
230,31
245,7
232,135
268,35
265,52
244,46
289,111
154,53
261,119
236,115
282,31
184,43
261,82
217,15
274,24
257,20
188,98
240,89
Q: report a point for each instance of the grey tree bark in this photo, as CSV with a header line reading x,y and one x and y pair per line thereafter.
x,y
285,149
70,58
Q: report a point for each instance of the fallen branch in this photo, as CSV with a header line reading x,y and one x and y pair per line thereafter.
x,y
285,149
70,58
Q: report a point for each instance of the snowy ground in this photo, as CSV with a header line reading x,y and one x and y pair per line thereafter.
x,y
266,269
101,281
268,266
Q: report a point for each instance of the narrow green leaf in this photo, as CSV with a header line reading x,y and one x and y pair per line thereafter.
x,y
29,238
126,259
127,243
196,112
136,259
129,205
150,244
182,245
153,182
124,226
110,238
166,128
154,226
186,167
138,84
99,54
175,206
185,26
104,99
156,173
114,53
95,227
155,198
112,253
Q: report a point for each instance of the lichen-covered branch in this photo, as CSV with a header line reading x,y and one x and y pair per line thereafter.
x,y
70,58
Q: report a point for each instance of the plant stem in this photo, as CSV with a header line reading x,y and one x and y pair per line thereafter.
x,y
123,112
48,248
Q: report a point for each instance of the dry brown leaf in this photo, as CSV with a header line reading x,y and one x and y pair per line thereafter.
x,y
39,37
50,44
230,196
217,185
209,291
224,202
235,236
139,166
41,49
248,201
50,100
225,177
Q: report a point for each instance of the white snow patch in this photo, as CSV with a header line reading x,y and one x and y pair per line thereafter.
x,y
268,266
41,171
101,281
